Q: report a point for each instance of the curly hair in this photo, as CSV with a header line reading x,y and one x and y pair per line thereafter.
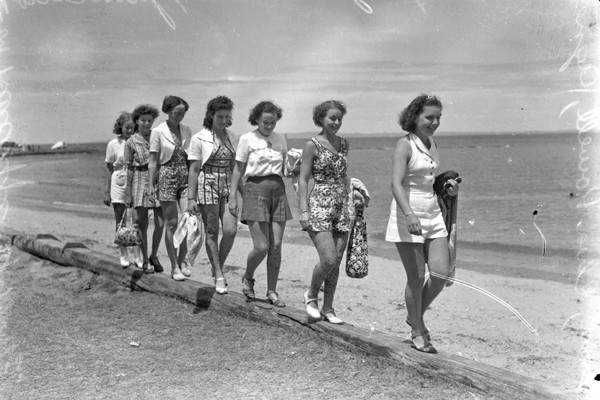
x,y
170,102
214,105
144,109
320,110
264,107
408,116
123,118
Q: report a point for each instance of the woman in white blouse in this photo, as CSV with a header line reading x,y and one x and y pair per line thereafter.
x,y
169,143
260,159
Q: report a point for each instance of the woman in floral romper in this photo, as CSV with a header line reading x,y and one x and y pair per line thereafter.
x,y
325,214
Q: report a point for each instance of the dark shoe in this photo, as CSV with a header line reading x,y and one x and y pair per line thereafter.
x,y
148,268
274,299
156,264
248,288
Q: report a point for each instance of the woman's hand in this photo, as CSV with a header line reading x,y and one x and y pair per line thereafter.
x,y
304,217
233,206
128,200
192,207
107,199
452,187
413,224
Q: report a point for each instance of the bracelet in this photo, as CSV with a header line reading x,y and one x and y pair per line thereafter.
x,y
303,211
408,213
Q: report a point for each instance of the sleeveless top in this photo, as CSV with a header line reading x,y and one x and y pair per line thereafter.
x,y
422,166
329,167
222,155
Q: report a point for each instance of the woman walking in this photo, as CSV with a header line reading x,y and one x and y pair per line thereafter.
x,y
212,156
325,214
137,158
169,142
416,224
260,159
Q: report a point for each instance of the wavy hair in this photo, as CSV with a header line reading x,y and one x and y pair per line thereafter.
x,y
123,118
214,105
170,102
264,107
408,116
320,110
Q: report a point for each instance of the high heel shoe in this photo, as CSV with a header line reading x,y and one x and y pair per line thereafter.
x,y
148,268
310,310
156,264
330,317
421,343
427,335
138,263
185,269
177,275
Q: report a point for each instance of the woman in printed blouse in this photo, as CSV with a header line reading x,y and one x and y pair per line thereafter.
x,y
137,157
416,224
325,214
169,143
116,179
260,158
212,156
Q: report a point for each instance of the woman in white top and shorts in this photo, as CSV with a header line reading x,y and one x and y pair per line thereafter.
x,y
260,158
416,224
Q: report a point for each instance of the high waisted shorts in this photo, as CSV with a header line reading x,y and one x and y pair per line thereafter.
x,y
172,181
265,200
426,208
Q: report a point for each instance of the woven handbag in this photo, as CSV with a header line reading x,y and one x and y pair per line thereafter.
x,y
128,234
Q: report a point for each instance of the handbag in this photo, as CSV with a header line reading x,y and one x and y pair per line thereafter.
x,y
128,234
357,253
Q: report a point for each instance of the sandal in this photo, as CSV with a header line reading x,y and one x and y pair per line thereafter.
x,y
248,288
274,299
221,286
156,264
312,312
421,343
427,335
330,317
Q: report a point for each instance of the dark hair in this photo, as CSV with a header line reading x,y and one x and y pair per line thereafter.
x,y
408,116
320,111
216,104
144,109
118,126
170,102
264,107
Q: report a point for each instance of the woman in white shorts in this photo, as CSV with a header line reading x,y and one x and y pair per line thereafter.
x,y
416,224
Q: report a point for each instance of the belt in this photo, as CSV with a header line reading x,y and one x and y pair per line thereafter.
x,y
139,167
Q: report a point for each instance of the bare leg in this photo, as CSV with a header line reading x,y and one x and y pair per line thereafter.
x,y
330,250
159,227
438,261
142,221
276,230
413,260
229,223
210,216
260,240
183,246
169,209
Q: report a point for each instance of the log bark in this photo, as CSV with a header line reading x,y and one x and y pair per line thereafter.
x,y
476,375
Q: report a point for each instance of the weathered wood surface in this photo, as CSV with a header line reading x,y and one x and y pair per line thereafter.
x,y
488,379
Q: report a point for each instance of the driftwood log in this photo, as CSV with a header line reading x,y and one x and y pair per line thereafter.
x,y
476,375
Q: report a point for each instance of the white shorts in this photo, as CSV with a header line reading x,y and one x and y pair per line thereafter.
x,y
426,208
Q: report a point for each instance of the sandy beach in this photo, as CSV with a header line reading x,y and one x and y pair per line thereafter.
x,y
462,320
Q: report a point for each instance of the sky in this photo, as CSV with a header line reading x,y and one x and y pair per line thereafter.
x,y
69,67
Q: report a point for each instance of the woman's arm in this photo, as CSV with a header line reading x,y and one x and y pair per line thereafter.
x,y
152,166
128,160
308,156
236,182
107,182
400,160
193,185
